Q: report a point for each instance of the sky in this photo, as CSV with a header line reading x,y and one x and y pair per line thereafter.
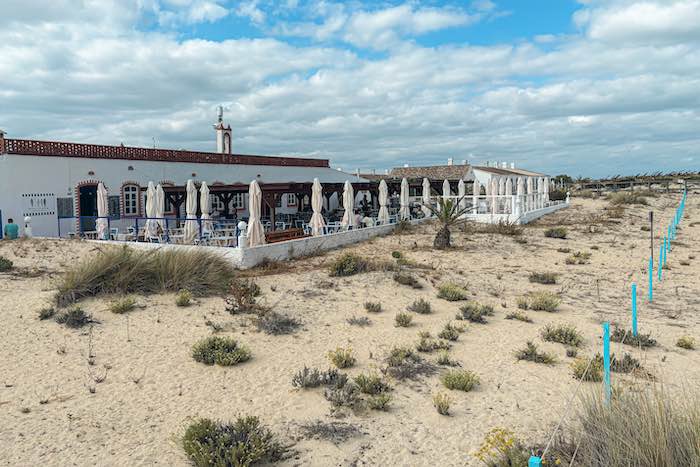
x,y
583,87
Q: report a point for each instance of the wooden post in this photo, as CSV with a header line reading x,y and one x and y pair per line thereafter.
x,y
651,233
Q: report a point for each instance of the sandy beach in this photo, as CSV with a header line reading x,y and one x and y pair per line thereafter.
x,y
52,412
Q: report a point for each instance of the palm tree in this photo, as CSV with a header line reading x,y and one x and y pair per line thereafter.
x,y
448,213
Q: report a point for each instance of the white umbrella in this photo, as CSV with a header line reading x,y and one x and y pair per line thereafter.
x,y
160,206
476,193
529,194
426,198
256,231
404,212
509,187
546,189
501,186
383,217
102,212
462,193
191,224
151,229
348,220
446,189
205,207
317,222
494,195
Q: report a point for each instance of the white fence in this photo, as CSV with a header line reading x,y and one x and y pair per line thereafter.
x,y
507,208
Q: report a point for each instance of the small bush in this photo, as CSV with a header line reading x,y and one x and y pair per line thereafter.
x,y
313,378
242,443
359,321
523,303
626,364
342,358
242,296
624,197
183,298
441,402
502,227
348,264
408,280
122,305
640,340
475,312
564,250
5,264
461,380
563,334
519,316
452,292
502,449
371,384
544,301
346,394
373,307
531,354
273,323
223,351
443,358
588,369
556,232
543,278
47,313
403,363
396,255
403,319
686,342
74,318
420,306
379,402
580,257
428,344
449,332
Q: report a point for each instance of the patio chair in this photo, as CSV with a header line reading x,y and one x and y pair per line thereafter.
x,y
113,232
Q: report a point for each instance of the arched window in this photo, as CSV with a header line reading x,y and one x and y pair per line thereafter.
x,y
131,199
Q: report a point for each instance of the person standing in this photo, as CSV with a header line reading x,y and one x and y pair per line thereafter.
x,y
11,230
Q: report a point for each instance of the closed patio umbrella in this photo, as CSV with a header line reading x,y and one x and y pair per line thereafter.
x,y
494,195
426,198
462,193
404,212
256,231
205,207
102,212
317,222
151,229
530,192
521,192
348,220
446,189
476,193
191,224
383,216
508,191
160,206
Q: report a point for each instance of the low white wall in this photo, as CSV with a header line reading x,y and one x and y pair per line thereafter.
x,y
525,218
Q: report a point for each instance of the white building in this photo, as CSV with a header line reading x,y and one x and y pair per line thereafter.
x,y
55,183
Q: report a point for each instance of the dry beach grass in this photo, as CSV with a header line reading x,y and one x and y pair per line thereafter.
x,y
123,389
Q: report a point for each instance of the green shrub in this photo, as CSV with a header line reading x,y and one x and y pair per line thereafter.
x,y
344,394
543,278
342,358
273,323
243,443
224,351
563,334
452,292
396,255
580,257
441,402
461,380
625,337
523,303
475,312
449,332
519,316
242,296
626,364
443,358
428,344
407,279
313,378
74,318
502,449
531,354
122,305
183,298
556,232
403,319
123,271
686,342
588,369
544,301
47,313
359,321
420,306
624,197
379,402
371,384
572,352
5,264
349,264
373,307
404,363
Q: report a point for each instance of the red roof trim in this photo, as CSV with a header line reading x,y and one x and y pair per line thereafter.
x,y
95,151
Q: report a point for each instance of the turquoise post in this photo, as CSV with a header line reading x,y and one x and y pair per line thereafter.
x,y
634,310
651,279
606,362
535,462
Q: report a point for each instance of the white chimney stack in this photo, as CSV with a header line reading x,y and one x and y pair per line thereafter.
x,y
449,161
504,165
512,165
405,166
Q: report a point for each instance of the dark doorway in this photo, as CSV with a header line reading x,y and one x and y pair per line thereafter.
x,y
88,207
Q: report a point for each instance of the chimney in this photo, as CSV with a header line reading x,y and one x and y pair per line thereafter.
x,y
223,134
512,165
386,171
405,166
449,161
504,165
357,173
2,142
464,162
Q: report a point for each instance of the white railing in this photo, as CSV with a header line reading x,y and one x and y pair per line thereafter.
x,y
509,207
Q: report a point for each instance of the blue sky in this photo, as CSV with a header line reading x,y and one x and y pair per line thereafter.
x,y
585,87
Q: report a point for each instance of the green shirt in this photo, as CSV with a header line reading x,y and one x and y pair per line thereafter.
x,y
11,231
